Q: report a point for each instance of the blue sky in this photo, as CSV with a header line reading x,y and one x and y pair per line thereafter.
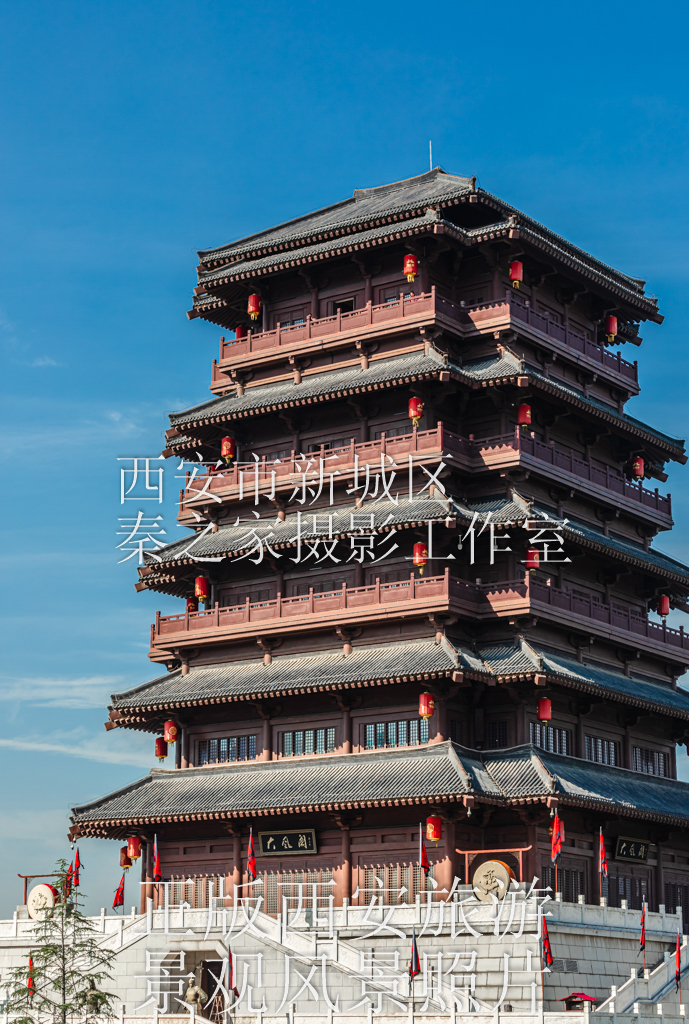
x,y
133,134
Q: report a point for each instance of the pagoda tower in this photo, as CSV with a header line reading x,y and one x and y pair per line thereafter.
x,y
420,586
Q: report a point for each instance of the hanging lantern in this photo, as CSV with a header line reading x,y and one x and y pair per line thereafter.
x,y
192,604
133,847
434,829
638,468
516,273
663,605
411,267
161,748
611,328
170,732
420,556
524,416
240,332
254,306
532,559
415,410
545,711
426,705
228,449
201,588
125,859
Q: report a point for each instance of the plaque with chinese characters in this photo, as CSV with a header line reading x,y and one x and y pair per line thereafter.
x,y
631,849
279,844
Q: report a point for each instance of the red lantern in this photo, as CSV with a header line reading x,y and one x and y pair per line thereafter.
x,y
133,847
240,332
411,267
192,604
171,732
228,449
516,273
532,559
663,605
426,705
201,588
420,556
125,859
611,328
434,829
524,416
545,711
638,468
161,748
254,306
415,410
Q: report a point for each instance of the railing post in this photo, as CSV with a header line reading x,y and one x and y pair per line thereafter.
x,y
250,338
339,320
310,600
248,610
344,595
308,325
401,303
439,430
369,307
377,590
414,438
447,581
217,614
412,585
278,605
278,333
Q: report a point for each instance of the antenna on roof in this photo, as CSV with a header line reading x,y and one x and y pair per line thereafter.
x,y
430,154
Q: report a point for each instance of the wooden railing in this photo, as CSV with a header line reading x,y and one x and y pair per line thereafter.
x,y
428,303
470,453
474,599
621,616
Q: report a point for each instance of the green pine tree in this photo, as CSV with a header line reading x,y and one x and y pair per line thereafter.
x,y
65,968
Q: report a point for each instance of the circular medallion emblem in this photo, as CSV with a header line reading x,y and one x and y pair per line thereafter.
x,y
492,879
42,898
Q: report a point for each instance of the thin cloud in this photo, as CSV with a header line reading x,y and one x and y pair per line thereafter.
x,y
88,750
44,361
84,692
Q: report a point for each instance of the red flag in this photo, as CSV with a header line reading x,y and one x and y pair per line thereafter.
x,y
678,964
642,937
547,951
77,866
423,858
602,859
31,985
251,859
157,876
557,838
232,984
414,966
69,877
119,895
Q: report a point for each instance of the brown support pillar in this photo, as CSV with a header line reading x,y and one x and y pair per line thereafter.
x,y
184,745
442,724
148,888
627,752
236,876
368,289
660,879
267,752
346,732
142,887
445,863
580,740
346,865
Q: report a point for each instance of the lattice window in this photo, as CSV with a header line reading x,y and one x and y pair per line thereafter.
x,y
650,762
230,748
394,878
555,741
497,735
193,889
308,741
570,882
676,896
602,751
279,884
625,887
408,733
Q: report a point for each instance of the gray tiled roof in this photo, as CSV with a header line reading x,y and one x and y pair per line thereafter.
x,y
365,206
441,772
307,252
368,208
524,658
240,537
499,367
286,393
323,669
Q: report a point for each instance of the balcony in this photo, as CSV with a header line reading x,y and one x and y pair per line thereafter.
x,y
244,481
413,598
372,322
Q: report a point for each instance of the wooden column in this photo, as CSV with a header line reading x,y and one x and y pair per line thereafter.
x,y
346,865
178,750
267,752
148,888
184,743
444,871
580,740
236,876
346,732
442,722
627,751
659,879
368,289
142,887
